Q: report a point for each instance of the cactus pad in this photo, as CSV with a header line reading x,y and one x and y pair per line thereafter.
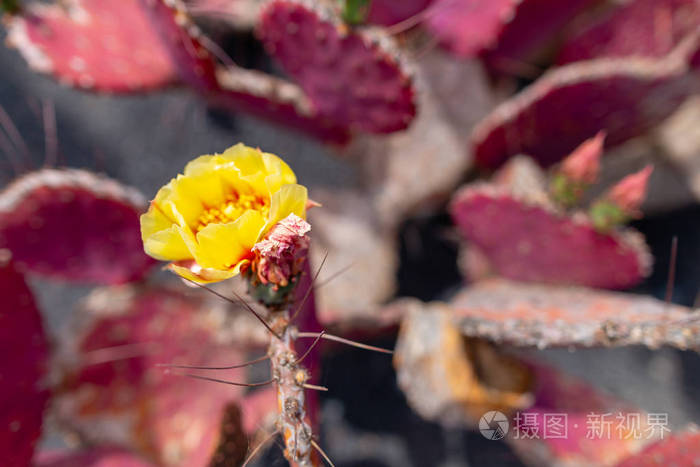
x,y
626,97
22,370
533,315
527,239
450,379
535,26
95,457
74,225
389,12
455,380
113,384
466,27
232,87
647,28
559,394
676,449
103,45
352,78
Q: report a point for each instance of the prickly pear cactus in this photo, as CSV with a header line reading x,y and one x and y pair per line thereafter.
x,y
74,225
100,45
352,77
524,235
24,390
466,27
634,29
630,96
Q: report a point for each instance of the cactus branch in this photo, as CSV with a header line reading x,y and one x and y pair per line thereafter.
x,y
291,380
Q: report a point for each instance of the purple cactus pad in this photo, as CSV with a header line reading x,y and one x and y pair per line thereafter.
x,y
25,351
353,77
74,225
102,45
527,239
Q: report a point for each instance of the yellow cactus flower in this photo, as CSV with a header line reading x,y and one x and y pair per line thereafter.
x,y
207,221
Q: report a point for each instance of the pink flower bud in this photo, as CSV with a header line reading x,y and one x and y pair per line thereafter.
x,y
280,255
583,164
629,193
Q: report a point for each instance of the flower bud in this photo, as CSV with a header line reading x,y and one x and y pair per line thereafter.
x,y
577,172
622,202
583,164
629,193
280,256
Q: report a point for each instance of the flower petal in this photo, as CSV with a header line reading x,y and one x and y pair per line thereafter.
x,y
221,246
275,165
167,245
247,160
205,275
205,188
290,199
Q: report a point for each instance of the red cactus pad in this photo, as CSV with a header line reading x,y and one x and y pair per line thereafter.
x,y
586,442
536,24
114,391
232,87
466,27
532,315
95,457
681,449
647,28
74,225
625,97
524,238
389,12
103,45
352,78
23,366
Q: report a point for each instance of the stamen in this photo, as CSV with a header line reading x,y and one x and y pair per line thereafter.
x,y
232,208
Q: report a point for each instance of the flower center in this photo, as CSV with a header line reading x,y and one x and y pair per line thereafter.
x,y
232,208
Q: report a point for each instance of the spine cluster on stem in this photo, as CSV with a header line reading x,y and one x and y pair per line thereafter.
x,y
291,379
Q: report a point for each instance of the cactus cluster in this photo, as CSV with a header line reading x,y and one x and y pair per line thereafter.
x,y
546,110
